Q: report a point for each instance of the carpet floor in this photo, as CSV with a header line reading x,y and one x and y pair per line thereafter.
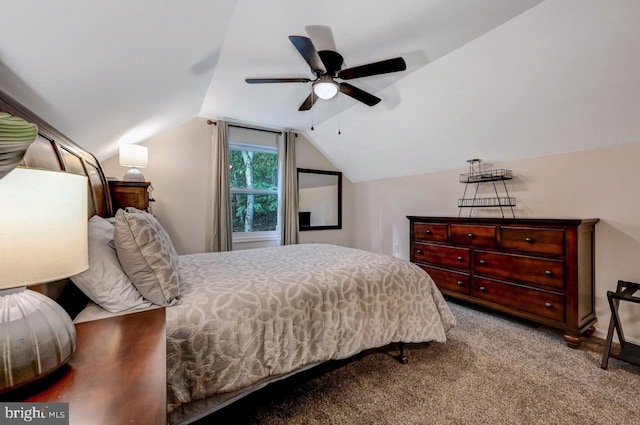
x,y
492,370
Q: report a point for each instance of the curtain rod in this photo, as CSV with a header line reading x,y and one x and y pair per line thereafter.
x,y
210,122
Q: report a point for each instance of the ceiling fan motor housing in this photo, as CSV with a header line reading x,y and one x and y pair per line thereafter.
x,y
332,61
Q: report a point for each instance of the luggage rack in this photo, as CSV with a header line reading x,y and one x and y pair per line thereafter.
x,y
477,175
628,352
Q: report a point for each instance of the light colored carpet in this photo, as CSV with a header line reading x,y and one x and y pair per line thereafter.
x,y
492,370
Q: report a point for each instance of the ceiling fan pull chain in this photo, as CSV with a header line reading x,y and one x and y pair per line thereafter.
x,y
339,115
312,94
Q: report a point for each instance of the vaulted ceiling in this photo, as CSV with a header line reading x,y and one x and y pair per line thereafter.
x,y
497,79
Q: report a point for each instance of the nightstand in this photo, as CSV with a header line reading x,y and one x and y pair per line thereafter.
x,y
117,374
129,194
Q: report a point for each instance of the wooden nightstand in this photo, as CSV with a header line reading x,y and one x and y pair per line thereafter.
x,y
129,194
117,374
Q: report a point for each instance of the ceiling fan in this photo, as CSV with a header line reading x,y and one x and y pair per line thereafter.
x,y
326,65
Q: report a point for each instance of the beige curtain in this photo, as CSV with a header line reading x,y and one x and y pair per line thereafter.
x,y
222,231
288,186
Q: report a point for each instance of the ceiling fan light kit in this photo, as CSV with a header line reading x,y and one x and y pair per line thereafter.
x,y
326,65
325,87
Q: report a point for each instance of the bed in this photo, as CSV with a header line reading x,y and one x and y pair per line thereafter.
x,y
244,319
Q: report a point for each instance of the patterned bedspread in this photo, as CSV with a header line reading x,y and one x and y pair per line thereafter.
x,y
248,315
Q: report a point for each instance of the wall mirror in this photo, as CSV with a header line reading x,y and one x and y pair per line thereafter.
x,y
319,199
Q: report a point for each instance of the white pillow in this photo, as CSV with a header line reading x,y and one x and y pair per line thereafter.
x,y
147,256
105,283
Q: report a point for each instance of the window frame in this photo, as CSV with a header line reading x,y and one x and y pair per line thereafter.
x,y
258,236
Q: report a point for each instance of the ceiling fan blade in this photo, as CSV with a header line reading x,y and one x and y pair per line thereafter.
x,y
308,102
309,53
359,94
322,36
375,68
277,80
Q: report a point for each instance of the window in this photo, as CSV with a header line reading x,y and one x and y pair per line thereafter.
x,y
254,188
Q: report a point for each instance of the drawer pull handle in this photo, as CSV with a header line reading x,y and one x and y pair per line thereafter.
x,y
470,235
428,232
548,305
483,289
460,259
460,283
528,240
483,262
418,251
548,272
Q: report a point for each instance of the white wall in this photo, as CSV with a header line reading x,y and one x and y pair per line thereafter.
x,y
307,156
179,170
599,183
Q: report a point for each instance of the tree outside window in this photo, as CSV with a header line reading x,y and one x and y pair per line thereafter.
x,y
254,188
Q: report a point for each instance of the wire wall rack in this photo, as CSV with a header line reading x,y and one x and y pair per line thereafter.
x,y
477,176
486,176
504,201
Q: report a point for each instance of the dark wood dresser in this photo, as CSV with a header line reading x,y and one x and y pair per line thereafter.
x,y
538,269
129,194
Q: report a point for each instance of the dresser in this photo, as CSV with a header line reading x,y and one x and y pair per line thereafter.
x,y
538,269
129,194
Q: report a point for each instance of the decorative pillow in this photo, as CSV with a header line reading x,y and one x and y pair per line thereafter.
x,y
104,282
147,256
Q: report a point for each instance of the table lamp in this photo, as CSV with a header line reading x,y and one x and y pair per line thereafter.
x,y
134,156
43,238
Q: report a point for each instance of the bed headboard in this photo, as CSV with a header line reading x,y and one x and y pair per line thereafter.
x,y
54,151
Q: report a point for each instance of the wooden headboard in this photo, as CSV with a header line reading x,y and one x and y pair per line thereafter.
x,y
54,151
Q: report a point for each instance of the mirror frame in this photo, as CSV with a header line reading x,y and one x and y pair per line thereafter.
x,y
325,172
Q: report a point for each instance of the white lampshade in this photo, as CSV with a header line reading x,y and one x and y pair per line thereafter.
x,y
43,238
325,89
43,226
134,156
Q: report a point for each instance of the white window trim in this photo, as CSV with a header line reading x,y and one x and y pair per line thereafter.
x,y
242,237
235,146
242,191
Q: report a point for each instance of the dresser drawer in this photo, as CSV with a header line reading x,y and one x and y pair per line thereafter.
x,y
430,232
484,236
446,279
526,239
541,303
520,268
442,255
